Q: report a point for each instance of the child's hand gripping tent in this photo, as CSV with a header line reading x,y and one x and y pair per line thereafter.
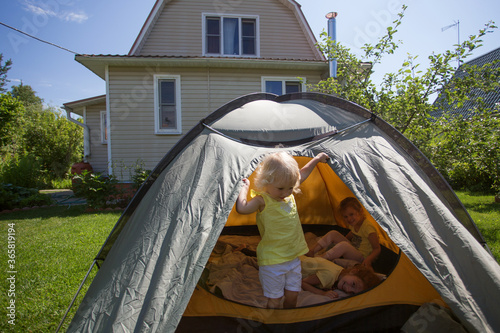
x,y
154,257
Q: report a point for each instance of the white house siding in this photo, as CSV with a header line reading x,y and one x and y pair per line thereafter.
x,y
133,140
98,152
178,30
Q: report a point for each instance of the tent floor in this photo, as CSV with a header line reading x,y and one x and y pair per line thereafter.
x,y
389,318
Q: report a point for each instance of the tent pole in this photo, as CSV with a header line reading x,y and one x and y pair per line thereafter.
x,y
76,295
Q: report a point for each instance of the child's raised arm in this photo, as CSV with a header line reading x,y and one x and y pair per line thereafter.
x,y
308,168
243,206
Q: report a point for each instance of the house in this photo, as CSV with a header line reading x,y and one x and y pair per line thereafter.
x,y
190,58
489,99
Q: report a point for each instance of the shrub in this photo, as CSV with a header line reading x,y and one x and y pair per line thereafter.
x,y
12,196
96,188
139,177
104,191
21,171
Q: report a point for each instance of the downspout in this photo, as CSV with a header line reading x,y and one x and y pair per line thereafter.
x,y
86,133
332,33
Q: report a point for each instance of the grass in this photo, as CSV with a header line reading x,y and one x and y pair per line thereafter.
x,y
486,214
55,247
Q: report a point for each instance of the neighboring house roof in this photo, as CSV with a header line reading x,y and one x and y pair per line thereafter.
x,y
73,106
87,101
491,99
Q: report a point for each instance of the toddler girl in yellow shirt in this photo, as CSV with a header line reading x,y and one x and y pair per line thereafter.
x,y
282,238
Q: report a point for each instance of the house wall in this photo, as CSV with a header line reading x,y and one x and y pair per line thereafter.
x,y
98,152
131,90
178,30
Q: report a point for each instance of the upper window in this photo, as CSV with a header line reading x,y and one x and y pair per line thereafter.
x,y
230,35
281,86
168,104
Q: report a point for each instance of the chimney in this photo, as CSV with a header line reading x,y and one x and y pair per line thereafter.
x,y
332,33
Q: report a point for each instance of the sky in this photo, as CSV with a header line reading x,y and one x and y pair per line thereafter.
x,y
111,27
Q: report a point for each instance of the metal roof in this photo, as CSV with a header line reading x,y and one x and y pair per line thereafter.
x,y
491,99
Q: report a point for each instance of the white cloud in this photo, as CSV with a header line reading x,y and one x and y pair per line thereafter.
x,y
45,84
37,10
40,8
75,17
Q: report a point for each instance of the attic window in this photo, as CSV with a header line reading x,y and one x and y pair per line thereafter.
x,y
167,104
230,35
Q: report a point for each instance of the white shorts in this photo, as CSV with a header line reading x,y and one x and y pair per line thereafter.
x,y
276,278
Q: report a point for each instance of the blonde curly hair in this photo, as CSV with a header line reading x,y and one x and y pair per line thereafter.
x,y
278,167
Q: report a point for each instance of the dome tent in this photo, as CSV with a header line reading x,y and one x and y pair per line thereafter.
x,y
154,257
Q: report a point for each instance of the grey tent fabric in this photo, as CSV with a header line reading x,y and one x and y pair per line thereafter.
x,y
413,213
160,246
155,263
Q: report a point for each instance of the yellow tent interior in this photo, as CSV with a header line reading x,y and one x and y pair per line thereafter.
x,y
317,204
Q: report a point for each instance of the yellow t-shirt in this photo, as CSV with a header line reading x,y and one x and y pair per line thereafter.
x,y
360,239
326,271
282,237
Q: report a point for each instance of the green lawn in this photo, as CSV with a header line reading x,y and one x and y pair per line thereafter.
x,y
54,248
486,214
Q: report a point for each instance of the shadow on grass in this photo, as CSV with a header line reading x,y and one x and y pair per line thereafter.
x,y
483,208
50,212
479,202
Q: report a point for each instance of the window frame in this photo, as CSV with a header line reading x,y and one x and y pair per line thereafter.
x,y
284,80
221,34
104,127
178,104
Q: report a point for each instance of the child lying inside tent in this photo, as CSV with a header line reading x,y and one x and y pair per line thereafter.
x,y
321,276
233,274
360,244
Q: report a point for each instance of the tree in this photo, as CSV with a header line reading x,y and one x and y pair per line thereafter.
x,y
55,140
11,116
3,72
35,137
402,99
26,95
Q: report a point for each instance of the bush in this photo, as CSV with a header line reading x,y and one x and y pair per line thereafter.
x,y
97,189
467,151
140,176
12,196
21,171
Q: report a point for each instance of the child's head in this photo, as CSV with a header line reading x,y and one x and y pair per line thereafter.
x,y
351,206
278,169
357,279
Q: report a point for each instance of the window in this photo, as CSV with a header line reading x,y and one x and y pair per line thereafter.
x,y
230,35
281,86
104,128
168,104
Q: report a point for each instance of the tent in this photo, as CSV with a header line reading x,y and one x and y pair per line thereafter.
x,y
154,261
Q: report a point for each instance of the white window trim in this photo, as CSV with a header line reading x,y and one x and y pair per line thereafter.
x,y
239,16
104,123
178,106
283,80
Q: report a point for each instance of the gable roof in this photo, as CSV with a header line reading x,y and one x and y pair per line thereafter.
x,y
490,99
160,4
